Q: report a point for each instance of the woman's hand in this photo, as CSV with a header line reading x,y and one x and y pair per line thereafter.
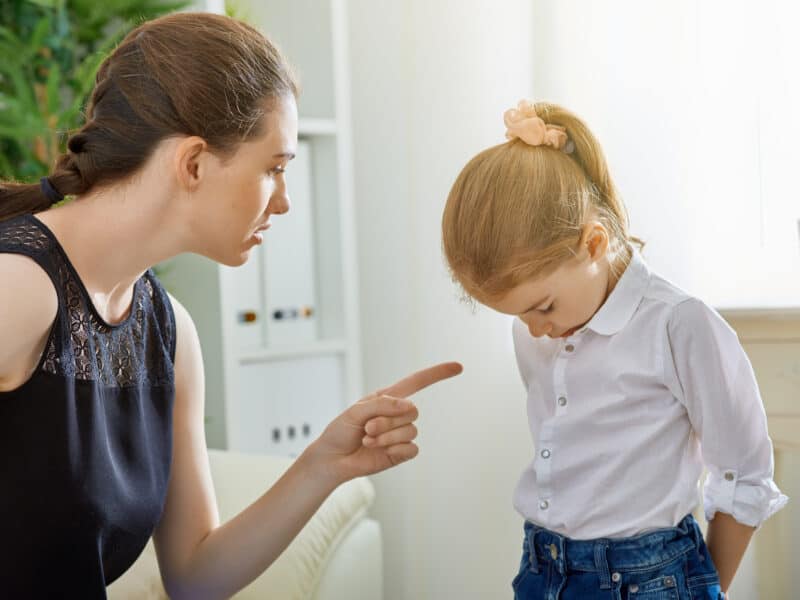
x,y
377,432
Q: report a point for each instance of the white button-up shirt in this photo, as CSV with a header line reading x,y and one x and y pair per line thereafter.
x,y
625,412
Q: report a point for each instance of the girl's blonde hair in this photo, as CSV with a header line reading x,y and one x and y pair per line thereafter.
x,y
517,211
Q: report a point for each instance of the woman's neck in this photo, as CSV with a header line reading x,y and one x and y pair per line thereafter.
x,y
112,238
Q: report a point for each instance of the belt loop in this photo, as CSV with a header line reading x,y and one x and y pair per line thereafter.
x,y
688,522
698,536
532,549
601,564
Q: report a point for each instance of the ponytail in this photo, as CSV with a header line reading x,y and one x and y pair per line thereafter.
x,y
516,211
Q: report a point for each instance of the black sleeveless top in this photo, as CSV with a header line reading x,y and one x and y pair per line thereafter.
x,y
86,442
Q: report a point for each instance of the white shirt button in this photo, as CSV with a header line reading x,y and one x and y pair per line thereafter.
x,y
729,476
569,347
544,504
562,401
545,453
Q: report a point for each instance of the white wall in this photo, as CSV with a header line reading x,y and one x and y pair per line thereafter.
x,y
672,92
430,81
695,105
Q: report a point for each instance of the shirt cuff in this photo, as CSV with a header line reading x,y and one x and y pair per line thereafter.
x,y
749,503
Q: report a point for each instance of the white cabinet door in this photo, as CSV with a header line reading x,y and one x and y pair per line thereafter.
x,y
283,405
288,261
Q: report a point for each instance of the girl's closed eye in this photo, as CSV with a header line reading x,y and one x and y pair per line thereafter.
x,y
279,170
547,309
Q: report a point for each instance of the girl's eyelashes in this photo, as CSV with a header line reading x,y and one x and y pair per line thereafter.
x,y
548,309
279,170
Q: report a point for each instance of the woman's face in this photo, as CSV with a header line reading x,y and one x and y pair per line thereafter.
x,y
232,206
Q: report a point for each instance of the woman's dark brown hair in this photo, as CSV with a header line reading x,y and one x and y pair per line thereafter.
x,y
183,74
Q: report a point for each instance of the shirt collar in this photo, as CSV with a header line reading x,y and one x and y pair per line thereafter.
x,y
624,299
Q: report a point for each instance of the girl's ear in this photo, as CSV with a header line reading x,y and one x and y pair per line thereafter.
x,y
595,239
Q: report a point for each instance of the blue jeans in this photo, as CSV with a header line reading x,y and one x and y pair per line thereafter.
x,y
665,564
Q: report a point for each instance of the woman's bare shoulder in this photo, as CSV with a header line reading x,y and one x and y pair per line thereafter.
x,y
28,306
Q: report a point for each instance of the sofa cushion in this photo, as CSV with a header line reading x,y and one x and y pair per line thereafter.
x,y
239,479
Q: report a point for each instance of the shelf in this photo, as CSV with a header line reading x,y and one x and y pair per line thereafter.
x,y
312,349
310,127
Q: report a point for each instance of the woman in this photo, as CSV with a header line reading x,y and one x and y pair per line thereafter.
x,y
189,130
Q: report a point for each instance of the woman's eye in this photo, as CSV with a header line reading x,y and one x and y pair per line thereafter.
x,y
546,310
277,171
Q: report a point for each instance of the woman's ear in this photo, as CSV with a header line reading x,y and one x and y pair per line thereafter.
x,y
190,154
595,239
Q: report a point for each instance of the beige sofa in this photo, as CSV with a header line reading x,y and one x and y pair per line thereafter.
x,y
337,556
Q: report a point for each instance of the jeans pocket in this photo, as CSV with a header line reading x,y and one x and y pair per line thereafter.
x,y
663,587
517,581
706,587
524,566
529,584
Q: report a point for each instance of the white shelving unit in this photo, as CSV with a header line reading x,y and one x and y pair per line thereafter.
x,y
272,384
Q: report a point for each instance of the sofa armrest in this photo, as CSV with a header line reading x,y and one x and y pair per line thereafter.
x,y
239,479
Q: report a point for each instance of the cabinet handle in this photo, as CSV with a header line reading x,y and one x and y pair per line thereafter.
x,y
303,312
247,316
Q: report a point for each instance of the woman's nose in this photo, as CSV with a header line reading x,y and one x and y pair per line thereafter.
x,y
279,203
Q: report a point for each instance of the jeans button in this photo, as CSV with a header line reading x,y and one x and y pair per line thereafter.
x,y
615,577
553,551
633,588
669,581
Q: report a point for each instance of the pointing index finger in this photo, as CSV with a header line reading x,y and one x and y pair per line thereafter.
x,y
422,379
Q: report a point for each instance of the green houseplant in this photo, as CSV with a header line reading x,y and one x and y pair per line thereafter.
x,y
50,51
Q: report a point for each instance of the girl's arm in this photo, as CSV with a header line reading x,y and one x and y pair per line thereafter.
x,y
727,539
197,557
711,375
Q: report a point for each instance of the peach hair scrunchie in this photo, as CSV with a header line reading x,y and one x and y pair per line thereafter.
x,y
523,123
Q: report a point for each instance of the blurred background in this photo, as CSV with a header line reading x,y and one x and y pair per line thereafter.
x,y
695,103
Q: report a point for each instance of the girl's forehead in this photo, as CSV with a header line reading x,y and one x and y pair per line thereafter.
x,y
524,296
535,291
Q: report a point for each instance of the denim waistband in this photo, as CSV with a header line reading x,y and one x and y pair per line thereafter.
x,y
609,555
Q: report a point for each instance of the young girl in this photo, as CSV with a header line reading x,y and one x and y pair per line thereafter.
x,y
632,384
189,130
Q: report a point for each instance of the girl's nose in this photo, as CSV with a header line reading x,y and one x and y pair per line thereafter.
x,y
538,330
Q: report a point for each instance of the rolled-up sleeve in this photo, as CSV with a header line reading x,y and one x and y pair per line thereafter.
x,y
712,376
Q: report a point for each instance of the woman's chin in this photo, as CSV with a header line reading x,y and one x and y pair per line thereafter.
x,y
233,259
